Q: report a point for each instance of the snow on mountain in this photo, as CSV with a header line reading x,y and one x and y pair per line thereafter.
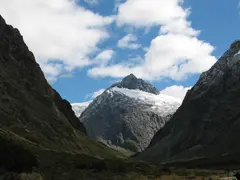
x,y
78,108
238,53
163,104
128,114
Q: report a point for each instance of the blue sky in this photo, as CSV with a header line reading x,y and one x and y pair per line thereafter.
x,y
81,46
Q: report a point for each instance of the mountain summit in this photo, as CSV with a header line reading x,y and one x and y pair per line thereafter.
x,y
132,82
128,114
206,127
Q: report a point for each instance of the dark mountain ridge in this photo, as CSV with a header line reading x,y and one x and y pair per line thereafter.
x,y
28,104
36,124
206,126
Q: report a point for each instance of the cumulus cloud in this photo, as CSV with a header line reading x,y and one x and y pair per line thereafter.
x,y
57,29
175,53
129,41
144,13
104,57
169,56
176,91
51,71
64,31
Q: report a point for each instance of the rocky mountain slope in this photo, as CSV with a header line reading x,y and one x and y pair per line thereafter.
x,y
28,105
128,114
205,129
38,129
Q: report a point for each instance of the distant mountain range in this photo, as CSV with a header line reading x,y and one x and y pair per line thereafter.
x,y
127,114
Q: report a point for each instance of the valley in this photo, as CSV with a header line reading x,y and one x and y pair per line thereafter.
x,y
131,131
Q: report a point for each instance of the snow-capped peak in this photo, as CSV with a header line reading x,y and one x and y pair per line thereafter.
x,y
132,82
161,103
130,111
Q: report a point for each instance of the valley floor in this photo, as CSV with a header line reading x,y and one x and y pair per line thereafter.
x,y
21,159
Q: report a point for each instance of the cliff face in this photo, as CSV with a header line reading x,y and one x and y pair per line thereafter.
x,y
128,114
206,126
29,106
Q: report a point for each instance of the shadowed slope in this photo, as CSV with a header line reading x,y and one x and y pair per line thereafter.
x,y
206,126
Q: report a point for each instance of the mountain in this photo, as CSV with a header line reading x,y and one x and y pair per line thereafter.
x,y
40,137
132,82
38,129
205,129
78,108
128,114
28,104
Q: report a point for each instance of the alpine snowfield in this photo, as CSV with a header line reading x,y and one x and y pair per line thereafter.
x,y
161,103
78,108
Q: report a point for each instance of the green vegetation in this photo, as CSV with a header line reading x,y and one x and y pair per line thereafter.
x,y
21,159
131,145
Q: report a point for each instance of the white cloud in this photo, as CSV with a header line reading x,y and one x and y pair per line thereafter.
x,y
117,4
176,91
144,13
104,57
176,56
51,71
169,56
67,75
57,29
61,30
116,71
128,41
175,53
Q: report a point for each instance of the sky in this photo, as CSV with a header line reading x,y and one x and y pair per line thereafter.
x,y
84,46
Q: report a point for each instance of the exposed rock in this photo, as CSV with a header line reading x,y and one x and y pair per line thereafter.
x,y
128,114
65,107
132,82
29,106
206,126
